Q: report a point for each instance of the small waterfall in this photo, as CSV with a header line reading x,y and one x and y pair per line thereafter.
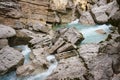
x,y
25,51
41,76
12,75
44,75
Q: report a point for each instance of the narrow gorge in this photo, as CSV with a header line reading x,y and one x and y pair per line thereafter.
x,y
59,39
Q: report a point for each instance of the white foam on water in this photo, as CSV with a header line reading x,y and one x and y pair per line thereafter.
x,y
74,22
44,75
25,51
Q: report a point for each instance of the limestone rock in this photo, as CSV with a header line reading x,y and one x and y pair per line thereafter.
x,y
66,47
101,67
86,18
70,68
67,54
3,43
88,51
99,13
6,31
10,59
37,26
73,35
57,44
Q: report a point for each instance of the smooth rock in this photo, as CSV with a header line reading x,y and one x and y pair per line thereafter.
x,y
10,59
100,31
6,31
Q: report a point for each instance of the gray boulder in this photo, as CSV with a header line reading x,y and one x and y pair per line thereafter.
x,y
103,13
6,31
86,18
37,26
10,59
69,69
72,35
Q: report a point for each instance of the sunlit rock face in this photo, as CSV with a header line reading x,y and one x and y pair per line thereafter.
x,y
60,4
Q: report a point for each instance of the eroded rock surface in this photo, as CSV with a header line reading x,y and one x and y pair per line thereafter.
x,y
10,59
70,68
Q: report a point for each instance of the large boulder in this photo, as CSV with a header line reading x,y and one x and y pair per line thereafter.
x,y
103,13
72,35
86,18
88,51
10,59
69,69
101,67
6,31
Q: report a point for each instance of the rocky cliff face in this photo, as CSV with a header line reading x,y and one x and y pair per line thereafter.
x,y
52,11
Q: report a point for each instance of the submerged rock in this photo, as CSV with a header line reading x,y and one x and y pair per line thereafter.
x,y
6,31
10,59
